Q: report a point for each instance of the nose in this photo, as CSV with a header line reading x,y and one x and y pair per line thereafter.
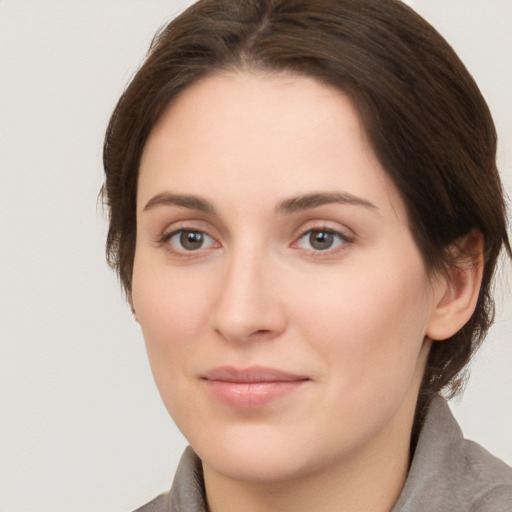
x,y
248,305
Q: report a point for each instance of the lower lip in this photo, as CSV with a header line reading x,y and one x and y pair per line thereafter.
x,y
251,395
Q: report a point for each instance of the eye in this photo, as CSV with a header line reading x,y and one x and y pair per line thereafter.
x,y
321,240
187,240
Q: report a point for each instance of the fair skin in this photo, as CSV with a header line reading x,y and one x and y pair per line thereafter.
x,y
286,309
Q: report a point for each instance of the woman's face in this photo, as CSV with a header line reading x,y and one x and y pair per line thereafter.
x,y
282,298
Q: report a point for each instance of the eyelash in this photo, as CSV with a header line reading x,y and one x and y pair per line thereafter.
x,y
166,239
342,239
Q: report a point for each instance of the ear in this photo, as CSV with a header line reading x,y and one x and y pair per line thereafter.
x,y
457,290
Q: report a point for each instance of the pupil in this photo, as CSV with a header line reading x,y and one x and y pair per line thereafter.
x,y
191,240
321,240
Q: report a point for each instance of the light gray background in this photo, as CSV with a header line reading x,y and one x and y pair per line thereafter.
x,y
82,428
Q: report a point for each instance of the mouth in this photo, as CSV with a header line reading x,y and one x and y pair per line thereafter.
x,y
251,387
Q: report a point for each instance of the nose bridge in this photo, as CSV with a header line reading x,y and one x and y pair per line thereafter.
x,y
247,304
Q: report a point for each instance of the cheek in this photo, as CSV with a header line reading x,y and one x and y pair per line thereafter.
x,y
172,313
369,325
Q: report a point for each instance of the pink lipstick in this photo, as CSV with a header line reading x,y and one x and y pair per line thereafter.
x,y
252,387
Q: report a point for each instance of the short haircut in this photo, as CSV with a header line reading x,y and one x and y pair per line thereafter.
x,y
424,115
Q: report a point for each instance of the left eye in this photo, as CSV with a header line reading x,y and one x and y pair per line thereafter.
x,y
190,240
321,240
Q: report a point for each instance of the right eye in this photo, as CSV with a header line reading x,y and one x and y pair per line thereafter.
x,y
189,240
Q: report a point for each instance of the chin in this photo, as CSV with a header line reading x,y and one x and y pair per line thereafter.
x,y
263,453
241,462
247,451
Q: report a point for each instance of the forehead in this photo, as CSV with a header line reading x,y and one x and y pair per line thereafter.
x,y
237,105
267,134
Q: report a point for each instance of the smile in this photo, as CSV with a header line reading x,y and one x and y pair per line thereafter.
x,y
252,387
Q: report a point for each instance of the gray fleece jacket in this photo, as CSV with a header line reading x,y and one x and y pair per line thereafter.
x,y
448,474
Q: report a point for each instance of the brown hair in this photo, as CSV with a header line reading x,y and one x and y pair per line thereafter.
x,y
425,117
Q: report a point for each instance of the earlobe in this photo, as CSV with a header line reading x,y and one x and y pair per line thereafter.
x,y
457,290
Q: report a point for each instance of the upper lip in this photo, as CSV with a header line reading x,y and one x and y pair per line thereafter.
x,y
250,374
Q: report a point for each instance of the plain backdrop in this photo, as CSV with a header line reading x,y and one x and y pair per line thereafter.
x,y
82,428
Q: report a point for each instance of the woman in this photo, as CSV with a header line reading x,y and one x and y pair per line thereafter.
x,y
305,214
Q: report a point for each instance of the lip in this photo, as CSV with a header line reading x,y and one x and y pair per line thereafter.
x,y
252,387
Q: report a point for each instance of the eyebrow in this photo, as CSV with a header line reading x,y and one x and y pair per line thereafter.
x,y
308,201
183,200
288,206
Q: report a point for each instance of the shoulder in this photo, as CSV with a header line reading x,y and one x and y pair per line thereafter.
x,y
497,499
450,473
480,479
159,504
487,479
187,491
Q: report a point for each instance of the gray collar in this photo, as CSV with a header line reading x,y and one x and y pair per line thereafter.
x,y
447,473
